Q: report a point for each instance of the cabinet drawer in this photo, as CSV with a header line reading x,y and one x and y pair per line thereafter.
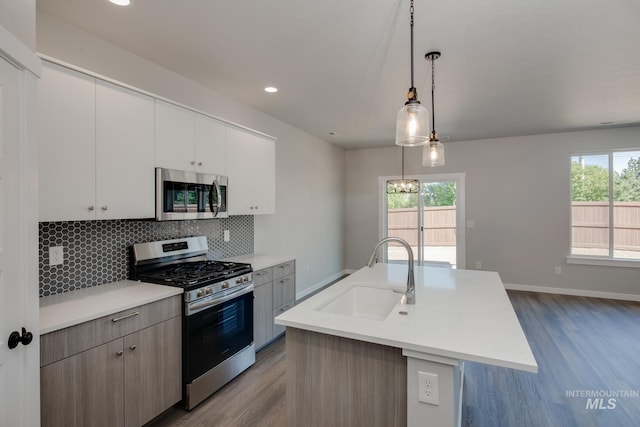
x,y
284,307
284,269
284,290
261,277
74,339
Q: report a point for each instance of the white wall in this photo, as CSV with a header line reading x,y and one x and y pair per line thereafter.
x,y
19,18
517,192
309,171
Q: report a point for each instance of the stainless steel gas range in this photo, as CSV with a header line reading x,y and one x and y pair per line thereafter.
x,y
217,324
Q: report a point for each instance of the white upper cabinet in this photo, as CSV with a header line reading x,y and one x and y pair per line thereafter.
x,y
66,135
96,149
189,141
99,144
125,178
174,137
210,145
251,168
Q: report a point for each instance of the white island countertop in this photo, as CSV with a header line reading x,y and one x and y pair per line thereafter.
x,y
458,314
72,308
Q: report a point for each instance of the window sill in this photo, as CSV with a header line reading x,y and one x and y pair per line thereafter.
x,y
608,262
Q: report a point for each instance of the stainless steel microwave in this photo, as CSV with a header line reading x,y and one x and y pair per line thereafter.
x,y
190,195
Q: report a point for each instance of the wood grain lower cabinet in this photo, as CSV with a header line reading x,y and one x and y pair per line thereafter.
x,y
152,371
84,389
274,293
124,382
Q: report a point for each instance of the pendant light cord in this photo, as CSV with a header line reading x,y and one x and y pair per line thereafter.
x,y
433,89
403,162
411,24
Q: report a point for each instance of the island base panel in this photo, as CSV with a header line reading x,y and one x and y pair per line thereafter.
x,y
334,381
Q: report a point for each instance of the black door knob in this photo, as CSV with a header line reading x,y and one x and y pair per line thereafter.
x,y
15,338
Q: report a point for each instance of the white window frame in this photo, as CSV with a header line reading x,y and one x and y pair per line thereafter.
x,y
608,261
459,179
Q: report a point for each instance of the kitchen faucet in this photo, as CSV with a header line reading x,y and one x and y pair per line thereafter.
x,y
410,294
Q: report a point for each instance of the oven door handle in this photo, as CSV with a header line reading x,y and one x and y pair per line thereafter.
x,y
198,306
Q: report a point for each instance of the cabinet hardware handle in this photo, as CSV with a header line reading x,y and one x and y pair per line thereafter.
x,y
116,319
105,207
132,347
199,163
193,162
119,352
91,207
261,273
284,280
284,266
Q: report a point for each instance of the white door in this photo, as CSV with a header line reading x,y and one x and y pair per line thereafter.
x,y
19,367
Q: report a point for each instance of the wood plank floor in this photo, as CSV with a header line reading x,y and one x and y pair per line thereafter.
x,y
582,345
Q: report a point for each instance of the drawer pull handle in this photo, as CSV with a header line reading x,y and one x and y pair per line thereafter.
x,y
119,352
284,266
117,319
284,280
261,273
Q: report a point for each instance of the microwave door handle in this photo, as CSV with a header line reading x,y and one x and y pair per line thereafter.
x,y
216,208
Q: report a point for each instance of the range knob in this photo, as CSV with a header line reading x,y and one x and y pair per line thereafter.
x,y
245,279
200,293
207,291
225,285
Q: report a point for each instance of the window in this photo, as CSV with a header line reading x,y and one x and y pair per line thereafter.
x,y
605,206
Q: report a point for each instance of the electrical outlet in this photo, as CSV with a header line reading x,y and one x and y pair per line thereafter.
x,y
428,388
478,265
558,270
227,237
56,255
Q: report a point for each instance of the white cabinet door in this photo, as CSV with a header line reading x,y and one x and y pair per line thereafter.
x,y
174,137
239,165
251,169
125,179
66,135
264,176
210,145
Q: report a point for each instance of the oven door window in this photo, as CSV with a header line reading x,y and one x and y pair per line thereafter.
x,y
213,335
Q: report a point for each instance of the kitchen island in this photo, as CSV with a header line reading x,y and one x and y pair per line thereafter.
x,y
354,352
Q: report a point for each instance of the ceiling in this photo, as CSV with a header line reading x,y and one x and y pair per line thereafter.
x,y
508,67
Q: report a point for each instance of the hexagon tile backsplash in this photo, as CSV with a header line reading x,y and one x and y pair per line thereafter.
x,y
97,252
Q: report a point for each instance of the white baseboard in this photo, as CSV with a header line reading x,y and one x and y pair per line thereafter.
x,y
574,292
308,291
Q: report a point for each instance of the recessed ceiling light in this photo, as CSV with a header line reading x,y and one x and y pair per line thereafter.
x,y
120,2
271,89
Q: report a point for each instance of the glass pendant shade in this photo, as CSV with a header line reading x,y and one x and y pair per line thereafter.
x,y
433,154
403,186
412,125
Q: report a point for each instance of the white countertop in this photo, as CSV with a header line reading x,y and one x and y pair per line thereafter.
x,y
71,308
460,314
260,261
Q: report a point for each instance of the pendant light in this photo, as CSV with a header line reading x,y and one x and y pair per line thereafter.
x,y
412,124
433,153
403,185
